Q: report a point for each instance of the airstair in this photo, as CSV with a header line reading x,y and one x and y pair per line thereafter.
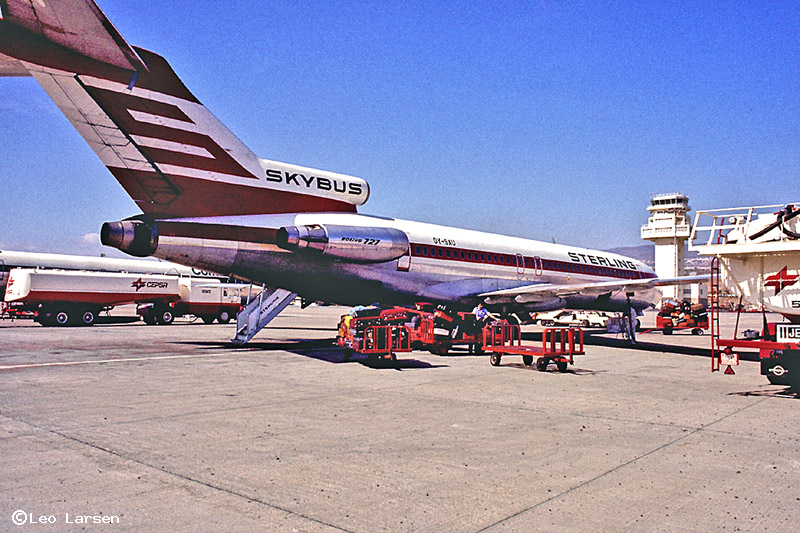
x,y
260,311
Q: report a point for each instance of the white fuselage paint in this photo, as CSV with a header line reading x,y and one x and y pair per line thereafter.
x,y
420,277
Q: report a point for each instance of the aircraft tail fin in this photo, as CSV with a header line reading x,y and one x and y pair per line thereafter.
x,y
171,155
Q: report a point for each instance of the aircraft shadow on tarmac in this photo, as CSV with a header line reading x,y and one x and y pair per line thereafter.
x,y
643,344
323,350
786,392
574,370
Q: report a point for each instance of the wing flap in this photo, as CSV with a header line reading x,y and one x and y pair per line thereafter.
x,y
601,287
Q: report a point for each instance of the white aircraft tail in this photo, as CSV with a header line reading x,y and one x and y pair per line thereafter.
x,y
171,155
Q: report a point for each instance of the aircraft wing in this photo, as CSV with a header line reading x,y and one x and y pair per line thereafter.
x,y
78,25
532,292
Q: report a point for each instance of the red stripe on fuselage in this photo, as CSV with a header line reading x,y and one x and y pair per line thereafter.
x,y
530,264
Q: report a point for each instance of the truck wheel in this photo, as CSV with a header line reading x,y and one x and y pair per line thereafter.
x,y
165,317
667,331
541,363
527,360
88,318
224,317
494,359
697,331
61,317
207,319
149,319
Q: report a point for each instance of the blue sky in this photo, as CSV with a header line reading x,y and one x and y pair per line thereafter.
x,y
546,120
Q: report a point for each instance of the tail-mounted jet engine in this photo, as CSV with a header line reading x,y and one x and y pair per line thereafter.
x,y
136,236
348,243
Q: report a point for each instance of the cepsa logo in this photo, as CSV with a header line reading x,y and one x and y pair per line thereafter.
x,y
139,284
781,280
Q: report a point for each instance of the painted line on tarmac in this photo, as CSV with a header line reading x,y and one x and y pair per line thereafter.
x,y
124,360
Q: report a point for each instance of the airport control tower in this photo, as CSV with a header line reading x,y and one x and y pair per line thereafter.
x,y
669,228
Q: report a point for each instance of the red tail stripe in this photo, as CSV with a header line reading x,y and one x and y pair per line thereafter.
x,y
118,106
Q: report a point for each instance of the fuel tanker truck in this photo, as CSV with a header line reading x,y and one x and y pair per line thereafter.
x,y
75,298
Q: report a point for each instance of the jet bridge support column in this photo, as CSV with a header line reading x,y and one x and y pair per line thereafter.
x,y
260,312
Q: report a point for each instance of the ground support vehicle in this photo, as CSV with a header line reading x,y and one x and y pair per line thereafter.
x,y
778,350
559,345
206,299
382,333
676,316
755,253
75,298
454,329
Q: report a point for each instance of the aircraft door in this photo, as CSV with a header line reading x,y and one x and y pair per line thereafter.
x,y
520,266
538,269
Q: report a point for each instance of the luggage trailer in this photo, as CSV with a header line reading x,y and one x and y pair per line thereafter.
x,y
382,334
559,345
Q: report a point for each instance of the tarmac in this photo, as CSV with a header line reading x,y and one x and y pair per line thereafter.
x,y
172,428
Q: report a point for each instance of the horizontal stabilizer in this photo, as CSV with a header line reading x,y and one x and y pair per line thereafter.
x,y
12,68
77,25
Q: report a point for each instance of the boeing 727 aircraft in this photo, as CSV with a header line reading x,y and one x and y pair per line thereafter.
x,y
207,201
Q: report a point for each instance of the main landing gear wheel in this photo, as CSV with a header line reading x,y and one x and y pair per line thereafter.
x,y
527,360
541,363
494,359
